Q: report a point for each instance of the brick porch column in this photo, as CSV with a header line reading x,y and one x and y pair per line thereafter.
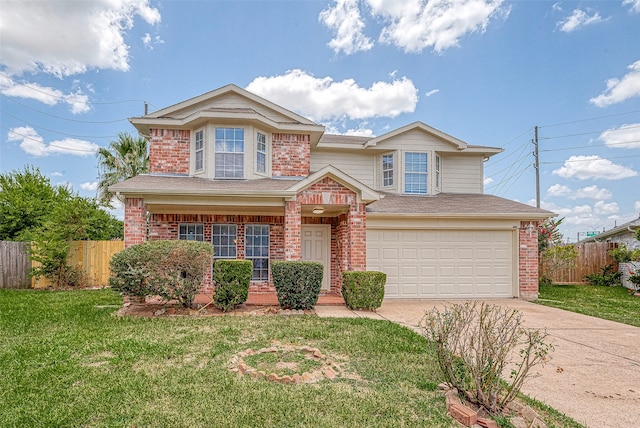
x,y
357,232
528,262
292,230
135,221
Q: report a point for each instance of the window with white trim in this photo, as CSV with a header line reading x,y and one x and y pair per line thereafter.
x,y
229,158
437,171
387,170
261,152
191,231
224,240
415,173
199,152
256,249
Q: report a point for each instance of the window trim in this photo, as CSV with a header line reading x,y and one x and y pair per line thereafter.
x,y
185,236
437,171
217,247
391,170
261,152
263,272
201,150
218,152
416,173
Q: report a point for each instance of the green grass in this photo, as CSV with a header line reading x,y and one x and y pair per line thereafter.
x,y
610,303
65,360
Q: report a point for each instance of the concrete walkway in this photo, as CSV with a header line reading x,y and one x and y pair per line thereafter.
x,y
594,372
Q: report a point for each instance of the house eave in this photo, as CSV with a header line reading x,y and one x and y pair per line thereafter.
x,y
501,216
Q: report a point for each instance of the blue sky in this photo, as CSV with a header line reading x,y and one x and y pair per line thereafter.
x,y
484,71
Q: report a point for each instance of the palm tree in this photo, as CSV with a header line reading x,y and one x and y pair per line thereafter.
x,y
124,159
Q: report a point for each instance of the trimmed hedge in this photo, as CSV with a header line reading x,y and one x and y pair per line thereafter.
x,y
297,283
231,279
174,270
363,290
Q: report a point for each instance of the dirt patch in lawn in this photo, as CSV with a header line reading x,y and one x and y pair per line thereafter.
x,y
167,310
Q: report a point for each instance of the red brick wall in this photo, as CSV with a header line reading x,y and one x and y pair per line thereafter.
x,y
291,155
169,151
135,221
528,262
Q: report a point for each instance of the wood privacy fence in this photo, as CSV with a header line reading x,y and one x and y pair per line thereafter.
x,y
90,257
14,265
592,257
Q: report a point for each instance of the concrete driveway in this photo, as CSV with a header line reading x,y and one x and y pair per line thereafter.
x,y
594,372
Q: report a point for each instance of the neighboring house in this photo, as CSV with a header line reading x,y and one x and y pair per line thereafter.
x,y
263,183
623,234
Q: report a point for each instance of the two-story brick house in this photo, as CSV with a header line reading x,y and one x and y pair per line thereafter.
x,y
263,183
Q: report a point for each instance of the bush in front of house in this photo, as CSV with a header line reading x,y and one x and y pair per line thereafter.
x,y
173,270
297,283
231,279
607,278
363,290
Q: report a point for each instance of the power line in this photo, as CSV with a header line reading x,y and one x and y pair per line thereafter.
x,y
589,119
50,144
57,132
591,145
67,100
591,160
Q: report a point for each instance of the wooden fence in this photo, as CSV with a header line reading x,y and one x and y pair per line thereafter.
x,y
14,265
90,257
592,257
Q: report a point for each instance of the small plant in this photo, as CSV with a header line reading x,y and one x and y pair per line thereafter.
x,y
622,254
475,344
297,283
634,278
231,279
607,278
363,290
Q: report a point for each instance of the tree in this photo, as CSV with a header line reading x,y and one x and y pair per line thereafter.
x,y
124,159
26,199
549,235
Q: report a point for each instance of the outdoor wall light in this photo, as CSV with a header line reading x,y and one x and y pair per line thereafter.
x,y
318,210
530,228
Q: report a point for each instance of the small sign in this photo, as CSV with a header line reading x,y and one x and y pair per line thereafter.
x,y
592,233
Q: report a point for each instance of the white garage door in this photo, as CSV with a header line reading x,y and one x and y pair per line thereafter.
x,y
443,263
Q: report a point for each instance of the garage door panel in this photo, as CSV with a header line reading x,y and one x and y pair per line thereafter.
x,y
443,263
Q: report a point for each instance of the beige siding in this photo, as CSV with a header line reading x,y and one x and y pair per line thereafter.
x,y
416,140
231,100
359,165
462,174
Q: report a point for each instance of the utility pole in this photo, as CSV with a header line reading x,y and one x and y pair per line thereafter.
x,y
536,165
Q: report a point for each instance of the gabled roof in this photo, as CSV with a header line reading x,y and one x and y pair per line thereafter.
x,y
629,227
461,145
366,194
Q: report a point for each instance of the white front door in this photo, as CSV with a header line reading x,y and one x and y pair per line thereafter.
x,y
316,247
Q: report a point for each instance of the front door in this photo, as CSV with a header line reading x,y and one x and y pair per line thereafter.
x,y
316,247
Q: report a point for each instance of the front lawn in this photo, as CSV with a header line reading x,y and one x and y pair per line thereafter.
x,y
610,303
65,360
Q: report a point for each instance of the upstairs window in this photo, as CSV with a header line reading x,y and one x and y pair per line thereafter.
x,y
387,170
223,238
229,156
191,232
437,171
415,173
261,153
199,150
256,249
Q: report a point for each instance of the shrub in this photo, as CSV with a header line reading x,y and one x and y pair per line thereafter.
x,y
624,255
174,270
607,278
363,290
231,279
475,343
297,283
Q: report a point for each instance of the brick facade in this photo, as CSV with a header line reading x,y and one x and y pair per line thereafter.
x,y
135,221
528,262
291,155
169,151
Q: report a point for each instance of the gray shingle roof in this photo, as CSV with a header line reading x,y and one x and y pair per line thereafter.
x,y
175,183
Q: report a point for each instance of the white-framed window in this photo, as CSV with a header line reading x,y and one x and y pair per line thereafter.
x,y
229,158
437,171
199,150
224,240
256,249
261,152
387,170
415,173
191,231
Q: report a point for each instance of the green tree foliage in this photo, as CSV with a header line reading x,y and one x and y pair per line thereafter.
x,y
125,158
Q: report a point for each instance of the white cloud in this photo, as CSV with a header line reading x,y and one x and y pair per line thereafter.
x,y
592,192
634,4
66,37
488,181
148,41
411,25
324,99
579,18
557,7
89,185
619,90
432,92
32,143
56,174
593,167
76,101
602,208
559,190
345,20
636,206
624,137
